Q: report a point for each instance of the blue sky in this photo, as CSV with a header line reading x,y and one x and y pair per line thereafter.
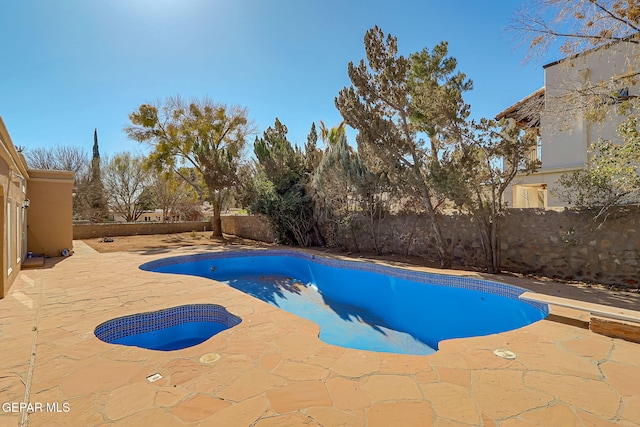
x,y
71,66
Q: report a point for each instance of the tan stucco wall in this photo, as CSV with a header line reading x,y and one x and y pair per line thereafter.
x,y
254,227
247,226
90,231
50,214
13,174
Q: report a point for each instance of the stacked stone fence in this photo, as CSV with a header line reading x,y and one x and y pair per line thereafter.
x,y
569,244
560,243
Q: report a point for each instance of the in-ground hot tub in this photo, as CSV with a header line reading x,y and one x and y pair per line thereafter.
x,y
169,329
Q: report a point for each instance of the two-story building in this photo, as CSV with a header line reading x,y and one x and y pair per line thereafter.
x,y
563,115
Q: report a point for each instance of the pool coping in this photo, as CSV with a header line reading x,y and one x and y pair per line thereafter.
x,y
594,309
404,273
150,321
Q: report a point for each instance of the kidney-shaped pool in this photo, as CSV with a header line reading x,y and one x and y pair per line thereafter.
x,y
363,305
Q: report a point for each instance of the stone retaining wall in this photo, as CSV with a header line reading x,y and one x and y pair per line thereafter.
x,y
565,244
556,243
570,245
559,243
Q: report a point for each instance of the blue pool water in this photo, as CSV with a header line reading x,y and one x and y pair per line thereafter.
x,y
174,337
169,329
363,305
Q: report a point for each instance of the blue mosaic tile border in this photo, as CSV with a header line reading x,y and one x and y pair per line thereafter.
x,y
508,291
140,323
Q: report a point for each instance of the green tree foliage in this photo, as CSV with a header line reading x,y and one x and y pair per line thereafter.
x,y
612,176
405,110
173,194
349,197
475,172
312,153
204,135
126,182
279,189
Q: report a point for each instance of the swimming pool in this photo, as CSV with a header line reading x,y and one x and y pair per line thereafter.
x,y
363,305
169,329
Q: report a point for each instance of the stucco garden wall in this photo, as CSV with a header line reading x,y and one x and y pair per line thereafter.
x,y
90,231
250,227
49,224
557,243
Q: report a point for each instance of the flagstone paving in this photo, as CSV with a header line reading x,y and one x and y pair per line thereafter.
x,y
274,371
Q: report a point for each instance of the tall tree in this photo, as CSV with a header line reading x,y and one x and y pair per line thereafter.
x,y
280,189
351,197
208,136
90,201
172,194
125,181
93,200
406,134
64,158
312,153
477,170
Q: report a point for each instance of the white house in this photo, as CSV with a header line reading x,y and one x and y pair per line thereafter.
x,y
565,130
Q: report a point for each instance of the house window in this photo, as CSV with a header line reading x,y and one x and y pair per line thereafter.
x,y
530,196
535,153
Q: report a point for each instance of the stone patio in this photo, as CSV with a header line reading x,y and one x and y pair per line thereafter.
x,y
274,371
